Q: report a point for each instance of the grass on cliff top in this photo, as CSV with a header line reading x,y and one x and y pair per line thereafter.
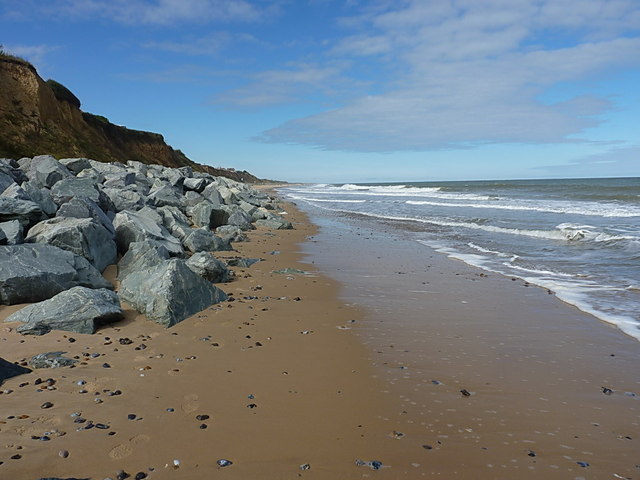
x,y
8,57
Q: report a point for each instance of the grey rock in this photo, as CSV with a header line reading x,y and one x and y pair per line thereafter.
x,y
165,195
141,256
5,181
207,215
239,218
35,272
82,236
232,233
137,227
275,223
119,179
3,238
209,267
12,231
42,196
191,199
51,360
195,184
202,240
138,167
175,221
212,194
12,168
242,262
169,292
46,171
69,188
107,168
76,165
125,199
78,310
14,191
86,208
91,173
10,370
25,211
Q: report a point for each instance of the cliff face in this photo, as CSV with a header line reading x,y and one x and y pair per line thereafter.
x,y
44,118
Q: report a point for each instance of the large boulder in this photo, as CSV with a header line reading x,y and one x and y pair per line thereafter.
x,y
231,233
141,256
239,218
212,194
25,211
9,370
42,196
165,195
203,240
275,223
13,232
169,293
73,187
81,236
138,226
125,199
6,181
175,221
76,165
46,171
209,267
78,309
194,184
86,208
208,215
35,272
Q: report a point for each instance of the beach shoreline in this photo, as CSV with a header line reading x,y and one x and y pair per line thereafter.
x,y
301,377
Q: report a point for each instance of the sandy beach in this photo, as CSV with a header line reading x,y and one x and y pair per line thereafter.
x,y
325,371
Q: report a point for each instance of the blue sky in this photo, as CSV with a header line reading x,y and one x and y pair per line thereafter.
x,y
343,91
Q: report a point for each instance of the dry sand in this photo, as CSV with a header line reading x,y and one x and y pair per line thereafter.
x,y
289,375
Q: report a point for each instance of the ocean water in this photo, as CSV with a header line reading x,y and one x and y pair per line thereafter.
x,y
578,238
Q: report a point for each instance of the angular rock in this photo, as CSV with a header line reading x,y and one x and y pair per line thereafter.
x,y
42,196
25,211
207,215
125,199
35,272
137,227
175,221
13,232
191,199
5,181
209,267
212,194
3,238
12,168
203,240
141,256
275,223
46,171
195,184
69,188
165,195
9,370
76,165
169,292
51,360
239,218
91,173
242,262
16,192
82,236
120,179
79,310
232,233
86,208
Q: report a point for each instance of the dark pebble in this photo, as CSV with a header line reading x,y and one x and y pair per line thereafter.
x,y
201,418
583,464
607,391
125,341
140,475
376,465
17,456
427,447
71,339
170,409
122,475
465,392
131,416
252,405
46,405
224,463
106,365
102,426
531,453
203,426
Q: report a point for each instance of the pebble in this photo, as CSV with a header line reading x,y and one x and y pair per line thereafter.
x,y
140,475
46,405
373,464
583,464
465,392
131,416
305,466
171,409
224,463
203,426
201,418
607,391
63,453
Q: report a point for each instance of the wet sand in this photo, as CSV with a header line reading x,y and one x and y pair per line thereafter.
x,y
288,375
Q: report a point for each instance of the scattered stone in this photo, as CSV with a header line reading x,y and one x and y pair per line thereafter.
x,y
607,391
209,267
373,464
305,466
465,392
46,405
224,463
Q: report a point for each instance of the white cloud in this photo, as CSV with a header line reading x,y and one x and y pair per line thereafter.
x,y
472,72
150,12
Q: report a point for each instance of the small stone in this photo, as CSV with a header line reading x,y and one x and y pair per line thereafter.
x,y
465,392
102,426
140,475
17,456
607,391
305,466
375,465
224,463
131,416
106,365
583,464
203,426
531,453
122,475
171,409
63,453
201,418
252,405
46,405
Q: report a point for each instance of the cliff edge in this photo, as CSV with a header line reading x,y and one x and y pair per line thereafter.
x,y
44,118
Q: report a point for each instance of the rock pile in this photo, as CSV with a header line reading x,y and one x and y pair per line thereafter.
x,y
63,222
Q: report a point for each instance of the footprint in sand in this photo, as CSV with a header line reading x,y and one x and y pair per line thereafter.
x,y
125,449
190,403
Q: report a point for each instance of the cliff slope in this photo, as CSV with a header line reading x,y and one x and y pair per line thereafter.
x,y
38,118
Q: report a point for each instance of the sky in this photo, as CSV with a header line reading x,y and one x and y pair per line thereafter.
x,y
355,91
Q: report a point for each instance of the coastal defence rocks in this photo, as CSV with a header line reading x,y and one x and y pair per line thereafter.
x,y
64,222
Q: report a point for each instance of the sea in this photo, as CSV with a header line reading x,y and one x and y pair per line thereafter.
x,y
577,238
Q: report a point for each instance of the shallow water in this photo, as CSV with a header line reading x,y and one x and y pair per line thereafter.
x,y
578,238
